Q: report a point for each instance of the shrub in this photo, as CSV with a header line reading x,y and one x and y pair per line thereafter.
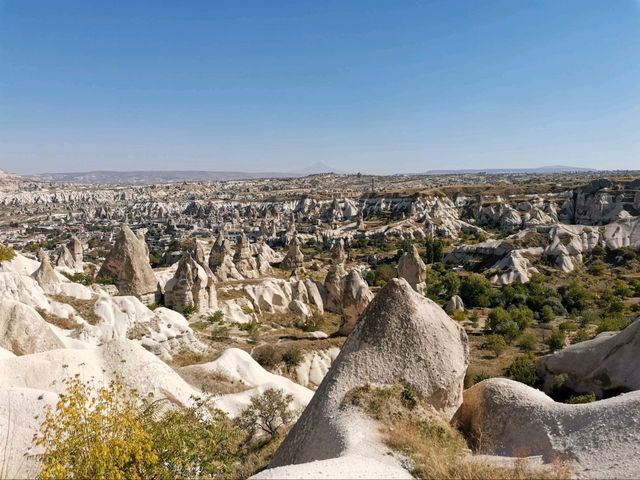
x,y
6,253
81,278
479,377
612,325
590,316
474,318
500,323
528,341
193,443
217,317
547,314
476,291
586,398
496,344
188,310
292,358
95,434
458,315
556,340
523,369
267,413
568,326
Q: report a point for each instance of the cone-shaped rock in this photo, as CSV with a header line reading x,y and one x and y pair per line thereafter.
x,y
128,264
190,286
401,337
45,275
412,269
355,298
294,257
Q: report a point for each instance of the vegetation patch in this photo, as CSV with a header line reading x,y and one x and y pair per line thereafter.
x,y
435,449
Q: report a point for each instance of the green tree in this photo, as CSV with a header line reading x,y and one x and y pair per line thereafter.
x,y
500,323
575,297
476,291
433,249
268,413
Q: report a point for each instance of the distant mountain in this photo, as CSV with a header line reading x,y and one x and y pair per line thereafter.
x,y
154,176
545,169
318,167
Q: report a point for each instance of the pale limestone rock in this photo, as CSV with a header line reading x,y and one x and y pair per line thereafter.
x,y
402,337
190,286
355,298
294,257
413,270
128,264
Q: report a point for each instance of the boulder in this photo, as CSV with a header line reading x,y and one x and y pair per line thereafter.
x,y
455,303
23,330
128,264
355,298
507,418
604,365
402,337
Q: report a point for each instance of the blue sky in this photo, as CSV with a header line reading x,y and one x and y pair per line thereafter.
x,y
371,86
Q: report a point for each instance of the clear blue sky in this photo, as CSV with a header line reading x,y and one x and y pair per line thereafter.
x,y
371,86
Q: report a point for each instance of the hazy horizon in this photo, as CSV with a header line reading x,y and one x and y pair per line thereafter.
x,y
373,86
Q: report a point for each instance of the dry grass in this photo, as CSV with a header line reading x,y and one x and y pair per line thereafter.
x,y
67,323
214,383
85,308
435,449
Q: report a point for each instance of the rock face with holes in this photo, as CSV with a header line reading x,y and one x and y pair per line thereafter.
x,y
191,286
402,337
355,298
413,270
601,439
128,264
604,365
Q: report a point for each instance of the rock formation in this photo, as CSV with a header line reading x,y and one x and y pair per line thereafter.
x,y
76,250
455,303
402,337
221,260
244,262
355,298
604,365
601,439
190,286
294,257
23,330
128,265
333,280
45,275
413,270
